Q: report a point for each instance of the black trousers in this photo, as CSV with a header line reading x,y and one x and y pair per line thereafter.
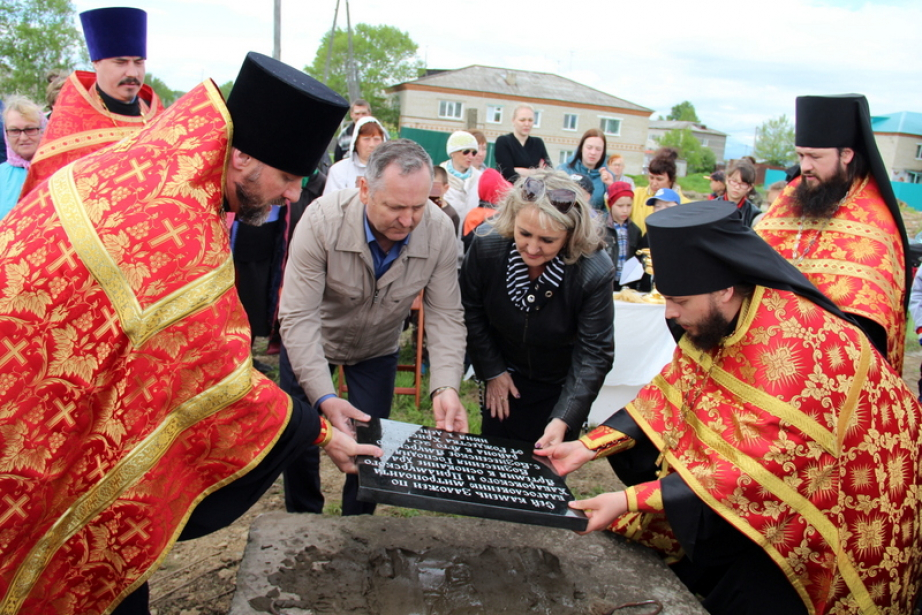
x,y
528,415
371,390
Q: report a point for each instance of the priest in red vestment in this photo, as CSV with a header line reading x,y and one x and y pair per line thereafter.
x,y
775,461
130,415
97,109
839,221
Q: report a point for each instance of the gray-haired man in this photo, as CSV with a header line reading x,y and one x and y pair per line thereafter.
x,y
357,260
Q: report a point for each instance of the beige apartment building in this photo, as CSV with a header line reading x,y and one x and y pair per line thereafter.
x,y
899,139
484,98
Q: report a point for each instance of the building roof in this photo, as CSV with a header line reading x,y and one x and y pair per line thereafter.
x,y
520,84
677,124
906,122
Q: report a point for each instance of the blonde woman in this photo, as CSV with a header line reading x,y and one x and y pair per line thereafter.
x,y
536,286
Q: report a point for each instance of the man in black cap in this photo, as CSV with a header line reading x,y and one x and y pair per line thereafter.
x,y
131,414
775,460
97,109
839,222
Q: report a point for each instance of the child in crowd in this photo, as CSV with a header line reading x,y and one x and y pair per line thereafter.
x,y
622,237
774,191
491,190
664,197
718,185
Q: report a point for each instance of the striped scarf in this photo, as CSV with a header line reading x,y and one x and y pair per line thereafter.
x,y
526,294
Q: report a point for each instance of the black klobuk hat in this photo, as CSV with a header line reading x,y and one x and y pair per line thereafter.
x,y
283,117
844,120
699,248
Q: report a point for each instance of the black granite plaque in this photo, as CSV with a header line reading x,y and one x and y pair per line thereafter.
x,y
462,474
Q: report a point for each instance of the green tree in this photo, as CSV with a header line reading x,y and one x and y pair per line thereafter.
x,y
36,36
383,56
167,95
700,159
226,88
684,112
775,142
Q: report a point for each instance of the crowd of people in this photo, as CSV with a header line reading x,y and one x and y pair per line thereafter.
x,y
774,462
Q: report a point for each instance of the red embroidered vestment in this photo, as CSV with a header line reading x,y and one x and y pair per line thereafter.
x,y
126,390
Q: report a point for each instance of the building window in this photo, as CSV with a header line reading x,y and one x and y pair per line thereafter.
x,y
918,151
704,142
610,126
564,157
537,123
494,114
570,121
915,177
450,109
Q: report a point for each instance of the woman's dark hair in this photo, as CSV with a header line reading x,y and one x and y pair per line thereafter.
x,y
592,132
663,163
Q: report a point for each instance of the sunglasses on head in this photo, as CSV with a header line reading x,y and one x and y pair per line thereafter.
x,y
561,198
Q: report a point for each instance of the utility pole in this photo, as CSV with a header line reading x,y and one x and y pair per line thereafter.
x,y
277,37
326,67
351,77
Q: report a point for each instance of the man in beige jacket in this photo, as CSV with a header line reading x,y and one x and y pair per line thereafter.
x,y
357,260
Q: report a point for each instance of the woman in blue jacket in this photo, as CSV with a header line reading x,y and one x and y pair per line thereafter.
x,y
589,160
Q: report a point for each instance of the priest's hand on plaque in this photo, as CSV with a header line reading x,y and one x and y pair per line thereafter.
x,y
450,414
338,411
602,510
554,433
497,396
342,450
566,456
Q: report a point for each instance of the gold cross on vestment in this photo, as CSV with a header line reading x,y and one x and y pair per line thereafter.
x,y
64,414
15,508
138,171
137,529
141,389
67,256
110,323
173,234
13,352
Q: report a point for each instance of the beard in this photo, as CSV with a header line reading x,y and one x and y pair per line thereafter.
x,y
822,200
710,331
253,209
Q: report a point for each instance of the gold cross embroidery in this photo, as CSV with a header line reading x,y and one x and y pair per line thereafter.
x,y
137,171
109,324
67,256
141,389
63,414
15,508
13,352
173,234
137,529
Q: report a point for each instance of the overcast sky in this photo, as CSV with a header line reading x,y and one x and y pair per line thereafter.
x,y
739,65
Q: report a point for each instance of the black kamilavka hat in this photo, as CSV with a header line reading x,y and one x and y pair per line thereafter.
x,y
844,120
283,117
702,247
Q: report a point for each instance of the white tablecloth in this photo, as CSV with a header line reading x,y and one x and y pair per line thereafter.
x,y
643,345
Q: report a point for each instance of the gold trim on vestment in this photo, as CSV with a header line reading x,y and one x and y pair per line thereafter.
x,y
123,476
778,487
89,138
870,274
192,506
217,101
139,324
